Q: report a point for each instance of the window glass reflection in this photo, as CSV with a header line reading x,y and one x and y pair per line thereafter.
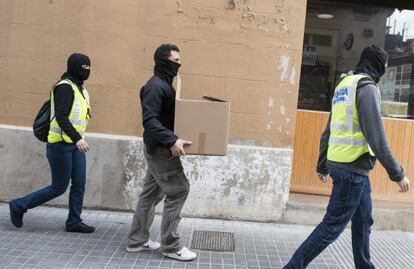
x,y
336,34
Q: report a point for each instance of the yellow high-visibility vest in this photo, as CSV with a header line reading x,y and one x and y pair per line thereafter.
x,y
79,114
346,142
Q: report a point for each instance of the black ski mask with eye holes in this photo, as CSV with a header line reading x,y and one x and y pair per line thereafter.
x,y
75,69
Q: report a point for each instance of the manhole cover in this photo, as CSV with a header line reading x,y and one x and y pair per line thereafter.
x,y
216,241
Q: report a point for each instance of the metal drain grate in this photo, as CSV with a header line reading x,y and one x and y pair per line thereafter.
x,y
216,241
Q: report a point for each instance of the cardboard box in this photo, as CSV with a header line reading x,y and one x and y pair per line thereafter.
x,y
204,122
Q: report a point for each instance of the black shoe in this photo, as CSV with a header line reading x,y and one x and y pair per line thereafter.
x,y
81,228
15,217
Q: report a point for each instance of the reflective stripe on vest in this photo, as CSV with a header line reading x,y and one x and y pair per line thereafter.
x,y
78,115
58,131
345,127
346,141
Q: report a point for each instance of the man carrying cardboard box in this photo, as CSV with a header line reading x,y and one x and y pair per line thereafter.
x,y
165,176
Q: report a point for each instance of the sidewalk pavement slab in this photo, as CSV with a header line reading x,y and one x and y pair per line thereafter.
x,y
43,243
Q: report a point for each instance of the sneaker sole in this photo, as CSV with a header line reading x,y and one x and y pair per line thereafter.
x,y
139,249
178,258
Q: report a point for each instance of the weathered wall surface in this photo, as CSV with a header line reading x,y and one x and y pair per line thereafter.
x,y
248,52
251,183
244,51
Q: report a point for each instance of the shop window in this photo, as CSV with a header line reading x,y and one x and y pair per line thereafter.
x,y
318,40
335,35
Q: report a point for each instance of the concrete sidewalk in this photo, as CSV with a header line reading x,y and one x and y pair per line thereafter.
x,y
42,243
307,209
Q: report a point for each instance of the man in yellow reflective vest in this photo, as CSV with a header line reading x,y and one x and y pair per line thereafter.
x,y
352,141
66,147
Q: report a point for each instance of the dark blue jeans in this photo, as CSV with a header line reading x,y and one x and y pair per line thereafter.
x,y
350,200
66,163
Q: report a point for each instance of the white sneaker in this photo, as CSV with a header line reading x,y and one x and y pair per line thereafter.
x,y
150,245
182,255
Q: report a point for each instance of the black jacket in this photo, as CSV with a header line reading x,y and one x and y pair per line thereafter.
x,y
158,109
63,98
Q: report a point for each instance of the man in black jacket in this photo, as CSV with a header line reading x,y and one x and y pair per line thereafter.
x,y
351,193
165,176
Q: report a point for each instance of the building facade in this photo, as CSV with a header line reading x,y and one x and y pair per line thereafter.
x,y
267,57
247,52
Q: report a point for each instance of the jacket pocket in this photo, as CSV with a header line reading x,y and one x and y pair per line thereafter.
x,y
164,154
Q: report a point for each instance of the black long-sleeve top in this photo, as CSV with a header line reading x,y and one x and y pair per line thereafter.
x,y
158,110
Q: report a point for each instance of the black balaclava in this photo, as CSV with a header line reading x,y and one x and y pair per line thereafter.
x,y
372,62
165,68
75,69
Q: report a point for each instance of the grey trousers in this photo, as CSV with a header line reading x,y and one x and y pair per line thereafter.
x,y
165,178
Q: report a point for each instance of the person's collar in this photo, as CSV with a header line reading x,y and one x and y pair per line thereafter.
x,y
72,78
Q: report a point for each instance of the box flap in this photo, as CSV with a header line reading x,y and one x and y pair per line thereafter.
x,y
178,93
178,90
213,99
